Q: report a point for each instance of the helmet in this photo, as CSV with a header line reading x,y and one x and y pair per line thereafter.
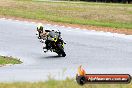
x,y
40,27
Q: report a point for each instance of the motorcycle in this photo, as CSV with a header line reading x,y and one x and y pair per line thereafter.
x,y
55,44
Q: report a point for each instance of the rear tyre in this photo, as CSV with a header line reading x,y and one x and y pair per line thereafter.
x,y
61,54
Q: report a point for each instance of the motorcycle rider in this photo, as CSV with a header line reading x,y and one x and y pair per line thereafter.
x,y
40,29
47,35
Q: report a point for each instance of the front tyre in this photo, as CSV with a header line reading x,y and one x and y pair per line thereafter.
x,y
63,54
61,51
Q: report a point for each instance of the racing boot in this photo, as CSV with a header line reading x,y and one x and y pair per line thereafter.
x,y
45,50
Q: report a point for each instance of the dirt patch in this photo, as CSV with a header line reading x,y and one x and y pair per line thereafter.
x,y
97,28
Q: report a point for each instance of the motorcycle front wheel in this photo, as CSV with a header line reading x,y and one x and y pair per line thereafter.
x,y
61,52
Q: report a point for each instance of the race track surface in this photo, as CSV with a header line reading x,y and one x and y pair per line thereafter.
x,y
97,52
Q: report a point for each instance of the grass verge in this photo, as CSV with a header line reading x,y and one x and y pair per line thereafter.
x,y
68,83
84,13
9,60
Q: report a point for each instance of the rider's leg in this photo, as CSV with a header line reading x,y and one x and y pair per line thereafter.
x,y
45,47
46,43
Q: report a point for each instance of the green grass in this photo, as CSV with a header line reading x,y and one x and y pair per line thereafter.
x,y
8,60
85,13
68,83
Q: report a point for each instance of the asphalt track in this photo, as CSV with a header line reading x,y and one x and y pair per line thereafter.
x,y
97,52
